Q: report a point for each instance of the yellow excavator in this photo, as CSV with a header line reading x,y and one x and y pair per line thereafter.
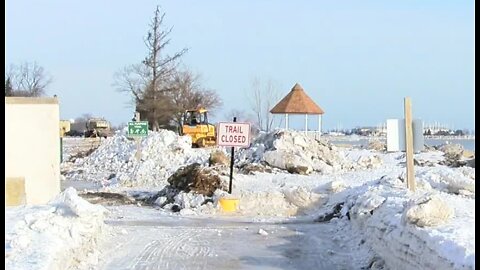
x,y
195,125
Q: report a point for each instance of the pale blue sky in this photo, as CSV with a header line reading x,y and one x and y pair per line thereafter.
x,y
356,59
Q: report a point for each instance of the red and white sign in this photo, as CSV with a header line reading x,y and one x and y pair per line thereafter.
x,y
233,134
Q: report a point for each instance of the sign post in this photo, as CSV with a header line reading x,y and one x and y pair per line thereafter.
x,y
137,129
235,135
232,160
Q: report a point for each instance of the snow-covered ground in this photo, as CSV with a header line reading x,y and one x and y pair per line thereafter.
x,y
344,203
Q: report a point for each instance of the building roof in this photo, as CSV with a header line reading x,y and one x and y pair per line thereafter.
x,y
297,102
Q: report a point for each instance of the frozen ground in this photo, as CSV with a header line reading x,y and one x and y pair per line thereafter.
x,y
150,239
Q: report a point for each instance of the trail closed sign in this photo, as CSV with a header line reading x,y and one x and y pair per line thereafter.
x,y
233,134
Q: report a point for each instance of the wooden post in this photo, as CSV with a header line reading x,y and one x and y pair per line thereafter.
x,y
409,145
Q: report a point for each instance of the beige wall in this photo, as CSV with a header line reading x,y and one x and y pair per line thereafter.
x,y
32,147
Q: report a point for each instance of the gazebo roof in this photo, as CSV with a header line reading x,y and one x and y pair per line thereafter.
x,y
297,102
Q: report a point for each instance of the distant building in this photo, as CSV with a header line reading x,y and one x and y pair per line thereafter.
x,y
366,131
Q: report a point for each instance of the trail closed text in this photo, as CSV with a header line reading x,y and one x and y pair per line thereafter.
x,y
233,134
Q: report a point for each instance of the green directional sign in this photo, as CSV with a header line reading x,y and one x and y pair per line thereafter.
x,y
137,129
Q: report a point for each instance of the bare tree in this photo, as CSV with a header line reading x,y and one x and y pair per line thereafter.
x,y
8,88
28,80
149,81
240,114
243,116
188,94
264,96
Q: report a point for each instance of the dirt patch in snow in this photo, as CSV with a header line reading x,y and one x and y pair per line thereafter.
x,y
107,198
196,178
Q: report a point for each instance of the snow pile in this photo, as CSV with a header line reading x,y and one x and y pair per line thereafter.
x,y
431,158
115,161
270,204
282,203
427,210
298,153
54,236
303,198
189,200
335,186
377,145
379,211
456,156
69,201
452,151
369,162
286,202
451,180
187,203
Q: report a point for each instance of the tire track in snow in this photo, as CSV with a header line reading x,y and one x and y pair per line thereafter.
x,y
211,244
172,246
187,245
157,254
144,255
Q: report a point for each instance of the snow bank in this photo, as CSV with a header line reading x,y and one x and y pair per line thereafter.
x,y
54,236
290,150
379,212
451,180
115,162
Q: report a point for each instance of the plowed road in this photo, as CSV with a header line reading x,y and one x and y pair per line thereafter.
x,y
145,241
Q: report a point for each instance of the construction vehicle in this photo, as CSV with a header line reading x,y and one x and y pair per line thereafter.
x,y
98,127
195,125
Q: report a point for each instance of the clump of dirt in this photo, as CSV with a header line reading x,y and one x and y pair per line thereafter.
x,y
304,170
251,168
195,178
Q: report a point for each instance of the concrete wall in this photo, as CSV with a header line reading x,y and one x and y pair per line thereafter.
x,y
32,150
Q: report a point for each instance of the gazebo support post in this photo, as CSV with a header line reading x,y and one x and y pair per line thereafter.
x,y
319,125
306,123
286,121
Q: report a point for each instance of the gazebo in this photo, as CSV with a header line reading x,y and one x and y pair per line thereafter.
x,y
298,102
